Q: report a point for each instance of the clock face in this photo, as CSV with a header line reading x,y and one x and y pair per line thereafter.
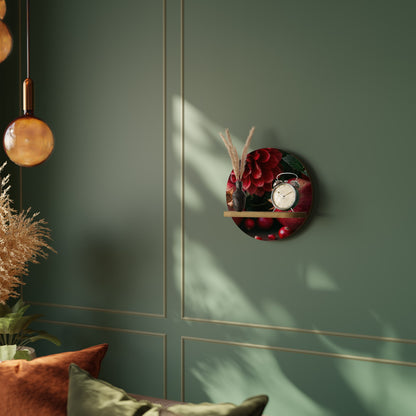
x,y
284,196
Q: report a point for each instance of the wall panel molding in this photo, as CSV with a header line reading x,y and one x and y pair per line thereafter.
x,y
183,253
301,351
161,335
185,339
306,331
163,296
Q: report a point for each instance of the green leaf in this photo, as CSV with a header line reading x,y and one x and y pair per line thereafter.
x,y
7,352
22,310
24,322
14,326
19,305
4,325
4,309
43,335
294,163
22,355
9,323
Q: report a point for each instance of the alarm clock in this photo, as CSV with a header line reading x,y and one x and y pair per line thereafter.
x,y
285,194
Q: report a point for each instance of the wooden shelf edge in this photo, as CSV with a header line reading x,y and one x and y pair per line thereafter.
x,y
264,214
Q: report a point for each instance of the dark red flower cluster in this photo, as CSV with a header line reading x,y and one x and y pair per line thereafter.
x,y
262,167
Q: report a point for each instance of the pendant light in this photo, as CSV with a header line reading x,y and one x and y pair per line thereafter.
x,y
6,41
28,141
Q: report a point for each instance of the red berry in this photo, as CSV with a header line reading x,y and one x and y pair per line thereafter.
x,y
257,237
249,223
265,223
238,220
284,232
271,236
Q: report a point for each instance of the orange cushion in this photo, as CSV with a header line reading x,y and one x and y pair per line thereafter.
x,y
40,387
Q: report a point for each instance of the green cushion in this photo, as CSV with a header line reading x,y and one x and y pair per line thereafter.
x,y
253,406
88,396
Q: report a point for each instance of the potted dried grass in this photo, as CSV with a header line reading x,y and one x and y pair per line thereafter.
x,y
23,240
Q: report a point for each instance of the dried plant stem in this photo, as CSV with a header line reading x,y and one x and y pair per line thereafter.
x,y
245,152
22,241
238,164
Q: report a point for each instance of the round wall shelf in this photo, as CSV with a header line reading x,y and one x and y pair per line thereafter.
x,y
267,170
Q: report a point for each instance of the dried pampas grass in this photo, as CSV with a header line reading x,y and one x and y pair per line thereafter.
x,y
237,163
22,241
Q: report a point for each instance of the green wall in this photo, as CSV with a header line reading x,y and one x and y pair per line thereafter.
x,y
193,308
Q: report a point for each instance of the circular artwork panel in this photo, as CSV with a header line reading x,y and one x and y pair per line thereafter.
x,y
278,193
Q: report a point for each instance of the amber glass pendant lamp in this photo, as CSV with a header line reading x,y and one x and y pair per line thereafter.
x,y
28,141
6,41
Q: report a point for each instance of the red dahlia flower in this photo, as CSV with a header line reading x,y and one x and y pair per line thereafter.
x,y
262,167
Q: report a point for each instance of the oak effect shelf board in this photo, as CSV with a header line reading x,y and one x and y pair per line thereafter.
x,y
264,214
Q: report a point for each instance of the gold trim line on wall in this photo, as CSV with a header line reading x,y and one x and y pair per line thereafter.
x,y
164,139
91,308
182,154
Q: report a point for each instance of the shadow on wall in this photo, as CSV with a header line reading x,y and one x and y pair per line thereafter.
x,y
114,259
218,258
305,385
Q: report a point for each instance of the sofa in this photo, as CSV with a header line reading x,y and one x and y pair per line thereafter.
x,y
67,384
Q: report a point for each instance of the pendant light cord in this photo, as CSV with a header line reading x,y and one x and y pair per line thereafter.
x,y
27,41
